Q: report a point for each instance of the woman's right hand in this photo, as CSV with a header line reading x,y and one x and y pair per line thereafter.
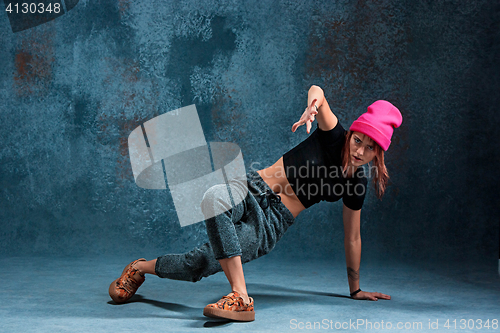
x,y
306,118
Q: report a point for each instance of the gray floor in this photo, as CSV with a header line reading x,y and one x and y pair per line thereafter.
x,y
64,295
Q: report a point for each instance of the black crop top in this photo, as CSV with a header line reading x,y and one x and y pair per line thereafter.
x,y
313,169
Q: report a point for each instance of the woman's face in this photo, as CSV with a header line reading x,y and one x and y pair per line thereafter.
x,y
362,149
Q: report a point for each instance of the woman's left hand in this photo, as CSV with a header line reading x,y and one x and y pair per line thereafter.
x,y
306,118
370,296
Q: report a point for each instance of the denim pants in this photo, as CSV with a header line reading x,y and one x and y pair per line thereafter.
x,y
249,229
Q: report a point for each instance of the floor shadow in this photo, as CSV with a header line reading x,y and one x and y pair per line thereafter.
x,y
294,291
270,296
191,312
163,305
279,295
217,323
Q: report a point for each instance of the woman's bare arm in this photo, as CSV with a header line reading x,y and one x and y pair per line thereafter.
x,y
352,243
326,119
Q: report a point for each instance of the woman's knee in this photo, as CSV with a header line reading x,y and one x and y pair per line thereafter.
x,y
215,201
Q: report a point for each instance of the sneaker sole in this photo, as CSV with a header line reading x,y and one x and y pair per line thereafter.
x,y
226,314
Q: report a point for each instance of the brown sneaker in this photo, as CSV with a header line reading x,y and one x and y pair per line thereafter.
x,y
231,307
123,288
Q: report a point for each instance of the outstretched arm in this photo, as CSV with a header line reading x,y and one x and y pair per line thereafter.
x,y
317,106
352,245
326,119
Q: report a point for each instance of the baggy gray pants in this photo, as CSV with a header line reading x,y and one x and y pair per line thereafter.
x,y
249,229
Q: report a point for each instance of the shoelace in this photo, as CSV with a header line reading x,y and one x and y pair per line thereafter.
x,y
129,283
234,299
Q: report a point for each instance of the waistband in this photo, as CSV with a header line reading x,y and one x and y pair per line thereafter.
x,y
266,196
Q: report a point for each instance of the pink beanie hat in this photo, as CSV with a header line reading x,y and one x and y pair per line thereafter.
x,y
379,122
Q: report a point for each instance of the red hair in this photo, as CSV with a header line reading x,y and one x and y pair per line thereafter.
x,y
381,176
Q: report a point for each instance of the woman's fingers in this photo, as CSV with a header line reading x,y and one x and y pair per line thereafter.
x,y
371,296
307,118
380,295
297,124
384,296
300,123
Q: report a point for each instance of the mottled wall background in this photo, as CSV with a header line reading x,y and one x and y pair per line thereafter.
x,y
74,88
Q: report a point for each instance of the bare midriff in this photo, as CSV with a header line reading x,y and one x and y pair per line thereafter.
x,y
275,177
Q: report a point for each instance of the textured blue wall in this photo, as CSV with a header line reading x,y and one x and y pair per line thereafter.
x,y
72,90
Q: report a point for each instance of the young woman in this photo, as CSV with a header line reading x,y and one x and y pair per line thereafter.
x,y
325,166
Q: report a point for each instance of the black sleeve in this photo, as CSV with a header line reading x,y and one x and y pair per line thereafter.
x,y
355,193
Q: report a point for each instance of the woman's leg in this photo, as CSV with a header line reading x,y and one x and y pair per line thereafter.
x,y
146,267
191,266
234,273
221,217
237,233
